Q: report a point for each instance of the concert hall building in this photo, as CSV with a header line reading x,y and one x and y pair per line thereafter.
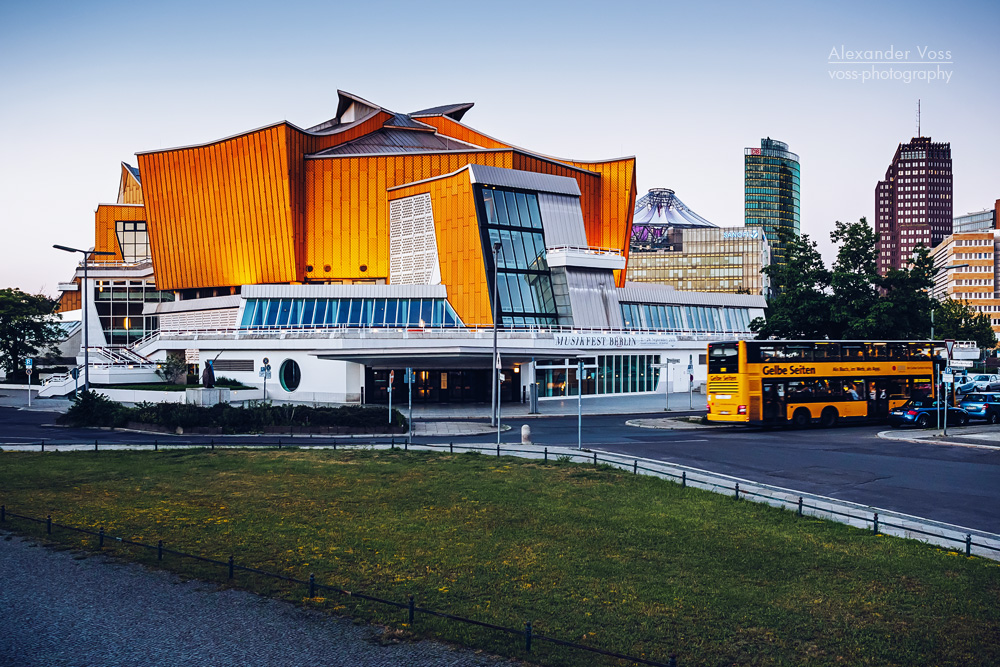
x,y
377,241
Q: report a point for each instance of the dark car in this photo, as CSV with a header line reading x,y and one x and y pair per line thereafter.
x,y
983,405
923,413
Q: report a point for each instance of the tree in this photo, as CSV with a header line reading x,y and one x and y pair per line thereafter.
x,y
854,281
958,320
27,326
904,309
801,308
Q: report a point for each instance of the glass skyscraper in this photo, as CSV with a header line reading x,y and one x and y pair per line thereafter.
x,y
772,192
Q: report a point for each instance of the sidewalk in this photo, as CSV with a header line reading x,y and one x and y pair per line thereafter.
x,y
983,436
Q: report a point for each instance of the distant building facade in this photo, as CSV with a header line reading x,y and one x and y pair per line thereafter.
x,y
979,221
975,283
772,192
672,245
913,203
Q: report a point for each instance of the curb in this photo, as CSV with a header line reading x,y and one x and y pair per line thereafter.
x,y
931,440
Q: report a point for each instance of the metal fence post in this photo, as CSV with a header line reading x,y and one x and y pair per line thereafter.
x,y
451,447
527,636
312,586
635,467
684,479
43,445
875,524
410,606
498,450
48,524
159,550
279,443
231,567
156,445
800,505
736,493
213,444
595,458
968,545
100,538
95,444
546,454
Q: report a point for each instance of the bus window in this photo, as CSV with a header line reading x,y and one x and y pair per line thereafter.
x,y
769,353
798,352
827,352
898,352
723,357
800,391
920,351
877,352
854,390
852,352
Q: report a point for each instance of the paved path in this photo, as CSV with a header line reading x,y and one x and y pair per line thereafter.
x,y
58,611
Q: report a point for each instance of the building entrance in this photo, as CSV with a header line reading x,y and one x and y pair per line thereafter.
x,y
440,386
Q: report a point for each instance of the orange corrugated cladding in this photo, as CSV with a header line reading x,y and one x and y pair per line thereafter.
x,y
69,300
129,190
458,244
105,238
252,209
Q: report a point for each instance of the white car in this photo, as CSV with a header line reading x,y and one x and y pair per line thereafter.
x,y
980,382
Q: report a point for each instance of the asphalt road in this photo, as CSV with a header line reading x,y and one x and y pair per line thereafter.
x,y
956,485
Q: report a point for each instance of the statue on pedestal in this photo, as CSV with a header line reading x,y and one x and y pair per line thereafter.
x,y
208,376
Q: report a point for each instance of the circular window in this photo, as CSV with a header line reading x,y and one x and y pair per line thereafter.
x,y
290,375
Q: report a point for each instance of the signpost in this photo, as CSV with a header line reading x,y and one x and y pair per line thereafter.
x,y
579,404
392,377
665,363
265,372
947,379
409,382
27,370
691,382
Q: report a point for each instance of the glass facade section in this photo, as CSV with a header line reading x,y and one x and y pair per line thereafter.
x,y
133,240
351,313
706,259
771,184
975,222
699,319
119,305
524,284
602,374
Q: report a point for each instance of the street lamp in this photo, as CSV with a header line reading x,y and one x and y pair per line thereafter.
x,y
83,307
495,398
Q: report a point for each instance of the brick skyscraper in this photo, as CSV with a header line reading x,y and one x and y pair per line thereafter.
x,y
913,205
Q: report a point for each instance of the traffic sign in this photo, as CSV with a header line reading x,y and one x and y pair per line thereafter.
x,y
75,372
947,378
28,362
27,371
392,377
949,345
961,363
266,361
265,372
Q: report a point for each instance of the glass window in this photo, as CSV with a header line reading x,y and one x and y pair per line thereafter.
x,y
501,208
248,309
343,311
527,298
522,210
515,292
505,304
491,211
438,313
512,216
295,316
507,250
425,311
827,352
290,375
519,255
308,308
536,217
378,314
403,313
272,313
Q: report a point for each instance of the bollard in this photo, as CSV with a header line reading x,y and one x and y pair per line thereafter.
x,y
684,479
231,567
595,458
312,586
875,524
736,493
968,545
95,445
279,443
159,550
410,604
48,524
213,444
546,454
800,505
406,446
635,467
527,636
498,450
43,445
334,445
525,435
156,445
100,539
451,447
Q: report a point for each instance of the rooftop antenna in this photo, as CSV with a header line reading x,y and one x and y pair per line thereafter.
x,y
918,118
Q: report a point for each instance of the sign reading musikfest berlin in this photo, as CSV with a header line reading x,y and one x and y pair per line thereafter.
x,y
611,341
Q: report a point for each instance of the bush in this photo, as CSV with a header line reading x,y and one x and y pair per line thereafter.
x,y
92,409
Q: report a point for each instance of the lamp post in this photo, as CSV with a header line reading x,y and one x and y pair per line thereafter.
x,y
83,307
939,386
495,398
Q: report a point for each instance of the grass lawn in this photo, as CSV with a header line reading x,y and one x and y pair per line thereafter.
x,y
599,556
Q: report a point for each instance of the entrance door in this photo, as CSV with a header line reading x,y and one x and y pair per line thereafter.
x,y
773,401
878,399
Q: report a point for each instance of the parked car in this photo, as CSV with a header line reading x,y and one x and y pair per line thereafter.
x,y
922,413
983,405
980,382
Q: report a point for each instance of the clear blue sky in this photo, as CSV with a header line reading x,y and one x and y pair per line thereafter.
x,y
682,86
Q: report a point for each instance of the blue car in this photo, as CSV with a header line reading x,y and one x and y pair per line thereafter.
x,y
983,405
923,413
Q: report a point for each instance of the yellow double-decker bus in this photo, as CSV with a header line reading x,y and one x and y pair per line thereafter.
x,y
799,382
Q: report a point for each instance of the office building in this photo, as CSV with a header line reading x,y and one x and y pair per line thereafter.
x,y
975,278
377,241
979,221
913,203
771,185
672,245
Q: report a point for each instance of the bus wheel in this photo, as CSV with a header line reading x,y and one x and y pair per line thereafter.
x,y
829,418
801,418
